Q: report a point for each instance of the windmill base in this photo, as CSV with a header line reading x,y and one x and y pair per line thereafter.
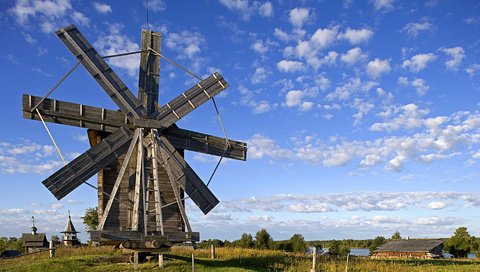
x,y
110,237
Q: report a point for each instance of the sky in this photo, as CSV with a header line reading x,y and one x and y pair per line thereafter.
x,y
361,117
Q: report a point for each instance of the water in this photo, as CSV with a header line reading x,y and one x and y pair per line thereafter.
x,y
364,252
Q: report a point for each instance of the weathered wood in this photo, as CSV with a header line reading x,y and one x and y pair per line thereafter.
x,y
101,71
61,112
190,100
88,164
118,180
156,184
138,180
149,70
192,185
117,235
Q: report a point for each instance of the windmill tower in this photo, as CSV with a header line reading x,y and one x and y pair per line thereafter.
x,y
137,151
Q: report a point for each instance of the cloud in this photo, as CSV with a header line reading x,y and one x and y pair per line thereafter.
x,y
350,87
261,47
248,99
418,62
412,29
80,18
266,9
352,56
377,67
260,75
356,36
289,66
156,5
408,117
456,54
102,7
382,5
473,69
298,16
115,43
420,85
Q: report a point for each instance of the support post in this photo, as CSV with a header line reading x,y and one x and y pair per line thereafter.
x,y
212,251
135,260
52,249
346,267
314,256
161,265
193,263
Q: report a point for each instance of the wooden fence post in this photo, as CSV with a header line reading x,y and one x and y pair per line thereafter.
x,y
135,260
212,251
314,264
193,263
346,267
160,261
52,249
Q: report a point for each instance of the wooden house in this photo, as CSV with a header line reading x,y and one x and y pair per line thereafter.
x,y
33,242
410,248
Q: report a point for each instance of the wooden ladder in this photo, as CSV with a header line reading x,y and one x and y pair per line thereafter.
x,y
153,187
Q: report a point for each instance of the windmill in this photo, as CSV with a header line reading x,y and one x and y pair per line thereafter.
x,y
137,151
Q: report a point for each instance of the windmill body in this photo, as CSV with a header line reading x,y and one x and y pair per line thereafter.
x,y
137,151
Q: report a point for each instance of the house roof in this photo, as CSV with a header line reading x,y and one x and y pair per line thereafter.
x,y
38,240
411,245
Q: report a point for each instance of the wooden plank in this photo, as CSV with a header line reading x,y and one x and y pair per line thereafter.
x,y
156,183
109,121
101,72
88,164
118,180
138,179
192,185
190,100
149,71
117,235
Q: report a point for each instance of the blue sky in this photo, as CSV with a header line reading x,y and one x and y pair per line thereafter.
x,y
361,117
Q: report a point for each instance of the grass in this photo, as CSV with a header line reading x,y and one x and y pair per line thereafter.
x,y
228,259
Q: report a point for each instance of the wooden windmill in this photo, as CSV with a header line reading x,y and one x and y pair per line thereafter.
x,y
137,151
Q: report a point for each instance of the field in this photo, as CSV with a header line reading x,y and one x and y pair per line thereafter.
x,y
228,259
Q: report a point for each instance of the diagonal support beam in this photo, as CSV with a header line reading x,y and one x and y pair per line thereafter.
x,y
101,72
118,180
88,164
192,185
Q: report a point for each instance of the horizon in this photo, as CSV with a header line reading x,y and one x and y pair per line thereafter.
x,y
361,118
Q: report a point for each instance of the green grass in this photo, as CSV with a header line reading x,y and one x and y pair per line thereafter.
x,y
228,259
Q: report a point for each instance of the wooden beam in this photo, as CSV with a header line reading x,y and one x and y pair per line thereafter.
x,y
101,72
149,72
190,100
88,164
118,180
118,236
192,185
138,180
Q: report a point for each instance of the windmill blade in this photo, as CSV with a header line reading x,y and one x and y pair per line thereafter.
x,y
204,143
190,100
73,114
88,164
185,177
101,72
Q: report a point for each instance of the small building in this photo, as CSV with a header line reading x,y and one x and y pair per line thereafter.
x,y
410,248
34,241
70,234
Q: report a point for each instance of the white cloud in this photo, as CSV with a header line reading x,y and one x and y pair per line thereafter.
x,y
156,5
382,5
102,7
412,29
363,108
260,75
50,9
266,9
473,69
418,62
293,98
420,85
350,87
248,99
356,36
115,43
289,66
260,47
408,117
352,56
80,18
298,16
282,35
377,67
456,54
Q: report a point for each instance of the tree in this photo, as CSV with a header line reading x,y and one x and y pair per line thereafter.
x,y
460,244
90,220
338,249
263,240
246,241
55,239
298,243
396,235
378,241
